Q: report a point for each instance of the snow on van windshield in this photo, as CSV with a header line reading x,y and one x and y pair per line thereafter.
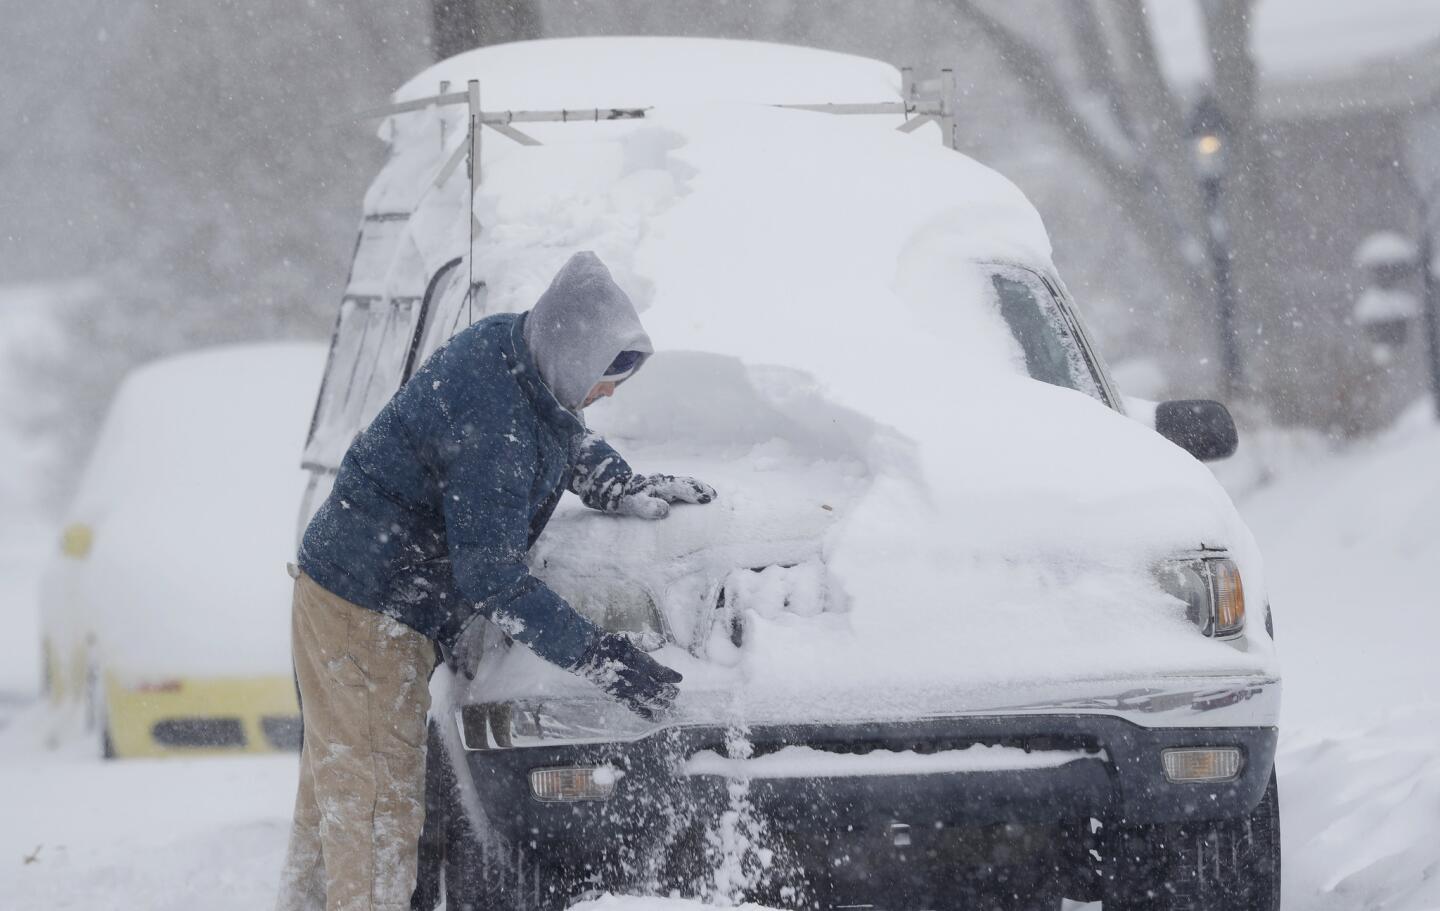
x,y
838,358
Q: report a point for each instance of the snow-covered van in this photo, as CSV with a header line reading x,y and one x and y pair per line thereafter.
x,y
958,626
164,617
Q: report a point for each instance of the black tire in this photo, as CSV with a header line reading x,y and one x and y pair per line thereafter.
x,y
1224,865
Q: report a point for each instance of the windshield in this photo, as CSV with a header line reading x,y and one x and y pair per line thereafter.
x,y
1050,348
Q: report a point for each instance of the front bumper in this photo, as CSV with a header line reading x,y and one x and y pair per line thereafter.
x,y
1117,735
187,716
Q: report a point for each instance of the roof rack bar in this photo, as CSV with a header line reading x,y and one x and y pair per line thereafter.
x,y
879,107
916,123
418,104
565,115
462,151
472,99
949,99
592,115
925,100
444,87
506,130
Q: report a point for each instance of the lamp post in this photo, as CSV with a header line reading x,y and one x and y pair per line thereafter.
x,y
1210,141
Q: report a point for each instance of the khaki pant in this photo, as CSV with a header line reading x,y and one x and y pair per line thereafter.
x,y
364,693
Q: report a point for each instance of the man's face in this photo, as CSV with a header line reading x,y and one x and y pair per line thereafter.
x,y
601,390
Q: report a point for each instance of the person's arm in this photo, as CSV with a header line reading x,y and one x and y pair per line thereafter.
x,y
487,524
604,481
599,475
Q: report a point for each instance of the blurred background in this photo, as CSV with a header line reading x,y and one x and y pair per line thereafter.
x,y
183,173
1241,195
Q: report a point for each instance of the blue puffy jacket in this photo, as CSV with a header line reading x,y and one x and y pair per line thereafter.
x,y
438,501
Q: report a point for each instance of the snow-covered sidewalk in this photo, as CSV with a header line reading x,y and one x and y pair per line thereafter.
x,y
148,835
1351,548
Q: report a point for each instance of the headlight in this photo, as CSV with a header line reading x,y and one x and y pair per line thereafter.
x,y
624,608
1210,589
505,725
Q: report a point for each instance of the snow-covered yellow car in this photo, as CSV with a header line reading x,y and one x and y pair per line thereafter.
x,y
164,614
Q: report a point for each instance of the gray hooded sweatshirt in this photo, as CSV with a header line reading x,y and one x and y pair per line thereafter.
x,y
579,325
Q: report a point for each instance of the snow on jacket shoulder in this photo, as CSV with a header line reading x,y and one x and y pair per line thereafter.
x,y
439,500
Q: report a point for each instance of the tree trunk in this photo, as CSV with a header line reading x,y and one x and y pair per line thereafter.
x,y
460,25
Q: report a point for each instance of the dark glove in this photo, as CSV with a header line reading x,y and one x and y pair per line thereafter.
x,y
649,495
614,664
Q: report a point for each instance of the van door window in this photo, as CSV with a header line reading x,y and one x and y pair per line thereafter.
x,y
445,312
367,356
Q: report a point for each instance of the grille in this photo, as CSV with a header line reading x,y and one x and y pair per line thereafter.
x,y
199,732
925,746
283,732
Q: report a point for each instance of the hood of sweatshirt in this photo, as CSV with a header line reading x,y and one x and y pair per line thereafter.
x,y
581,322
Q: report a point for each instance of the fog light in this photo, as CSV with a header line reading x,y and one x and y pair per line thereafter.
x,y
578,783
1210,764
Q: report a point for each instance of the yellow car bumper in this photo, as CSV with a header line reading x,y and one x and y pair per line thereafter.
x,y
202,716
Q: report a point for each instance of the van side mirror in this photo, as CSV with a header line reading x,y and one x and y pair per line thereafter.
x,y
1200,427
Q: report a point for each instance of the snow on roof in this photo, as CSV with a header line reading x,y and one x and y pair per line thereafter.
x,y
645,71
1299,39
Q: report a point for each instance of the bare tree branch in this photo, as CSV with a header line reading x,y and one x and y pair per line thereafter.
x,y
1132,175
1096,60
1035,71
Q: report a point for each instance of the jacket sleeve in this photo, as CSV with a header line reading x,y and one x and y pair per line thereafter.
x,y
598,475
487,526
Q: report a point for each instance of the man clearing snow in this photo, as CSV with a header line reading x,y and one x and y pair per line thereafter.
x,y
434,509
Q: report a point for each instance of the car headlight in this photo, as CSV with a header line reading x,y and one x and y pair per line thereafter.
x,y
547,722
1211,591
624,608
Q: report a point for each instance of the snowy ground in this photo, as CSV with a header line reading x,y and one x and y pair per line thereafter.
x,y
1351,543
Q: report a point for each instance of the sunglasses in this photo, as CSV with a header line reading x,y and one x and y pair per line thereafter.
x,y
625,362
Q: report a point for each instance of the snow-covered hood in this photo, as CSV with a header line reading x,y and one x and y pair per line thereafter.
x,y
875,579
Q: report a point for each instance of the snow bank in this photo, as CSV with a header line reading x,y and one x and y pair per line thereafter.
x,y
1354,539
1361,814
143,835
1360,534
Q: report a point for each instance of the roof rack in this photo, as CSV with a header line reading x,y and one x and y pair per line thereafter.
x,y
921,102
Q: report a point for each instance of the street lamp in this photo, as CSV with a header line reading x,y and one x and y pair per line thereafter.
x,y
1210,146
